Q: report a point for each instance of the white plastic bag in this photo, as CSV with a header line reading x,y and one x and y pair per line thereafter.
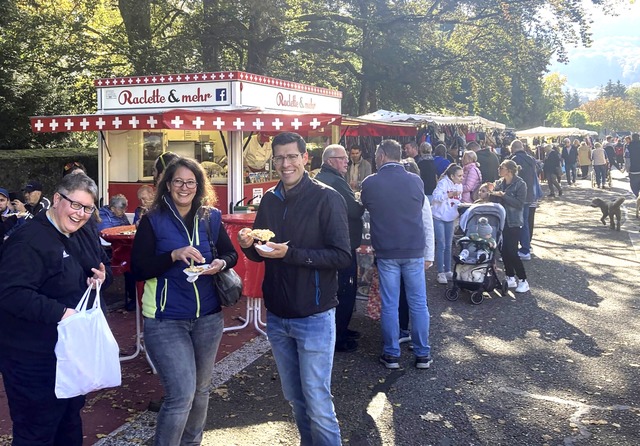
x,y
88,356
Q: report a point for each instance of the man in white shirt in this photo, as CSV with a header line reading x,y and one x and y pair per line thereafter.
x,y
358,169
257,152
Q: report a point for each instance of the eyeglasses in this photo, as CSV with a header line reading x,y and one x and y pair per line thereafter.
x,y
292,158
76,206
343,158
177,182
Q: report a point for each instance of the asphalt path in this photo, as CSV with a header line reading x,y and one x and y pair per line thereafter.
x,y
559,365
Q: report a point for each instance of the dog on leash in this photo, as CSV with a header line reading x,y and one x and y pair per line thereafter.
x,y
609,209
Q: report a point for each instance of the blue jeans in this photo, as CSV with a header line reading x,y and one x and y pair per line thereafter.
x,y
443,232
571,173
413,277
601,174
184,352
525,240
303,349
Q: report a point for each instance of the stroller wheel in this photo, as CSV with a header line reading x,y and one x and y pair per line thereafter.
x,y
452,294
477,297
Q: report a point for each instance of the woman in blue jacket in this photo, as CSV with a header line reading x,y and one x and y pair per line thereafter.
x,y
182,320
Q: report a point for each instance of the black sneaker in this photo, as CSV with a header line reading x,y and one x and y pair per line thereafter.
x,y
346,346
423,362
352,334
390,362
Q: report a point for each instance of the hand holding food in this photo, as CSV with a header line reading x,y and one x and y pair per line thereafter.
x,y
263,235
244,238
187,254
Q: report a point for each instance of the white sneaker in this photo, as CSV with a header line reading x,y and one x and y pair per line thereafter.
x,y
442,278
523,286
512,282
449,275
524,256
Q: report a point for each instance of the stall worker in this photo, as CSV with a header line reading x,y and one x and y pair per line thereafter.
x,y
257,152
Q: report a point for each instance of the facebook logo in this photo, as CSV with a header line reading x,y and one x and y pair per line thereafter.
x,y
221,94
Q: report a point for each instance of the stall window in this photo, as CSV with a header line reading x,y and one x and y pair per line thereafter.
x,y
151,150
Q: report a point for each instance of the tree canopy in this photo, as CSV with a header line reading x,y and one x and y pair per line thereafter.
x,y
484,57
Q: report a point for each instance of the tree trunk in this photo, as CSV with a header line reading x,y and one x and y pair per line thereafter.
x,y
208,39
136,15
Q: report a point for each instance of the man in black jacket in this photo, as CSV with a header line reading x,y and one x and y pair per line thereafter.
x,y
311,243
334,166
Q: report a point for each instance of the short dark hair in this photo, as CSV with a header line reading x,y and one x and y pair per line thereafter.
x,y
635,137
391,149
440,150
287,138
473,145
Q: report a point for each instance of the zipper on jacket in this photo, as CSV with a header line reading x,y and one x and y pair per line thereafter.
x,y
163,298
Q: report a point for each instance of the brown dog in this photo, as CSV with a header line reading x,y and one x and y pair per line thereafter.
x,y
609,209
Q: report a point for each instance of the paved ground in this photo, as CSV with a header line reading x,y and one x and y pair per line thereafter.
x,y
558,365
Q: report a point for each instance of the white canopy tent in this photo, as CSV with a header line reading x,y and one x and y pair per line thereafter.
x,y
391,116
553,131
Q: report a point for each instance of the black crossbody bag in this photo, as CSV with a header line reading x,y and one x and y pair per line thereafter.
x,y
228,282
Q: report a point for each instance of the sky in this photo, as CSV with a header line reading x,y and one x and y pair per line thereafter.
x,y
614,53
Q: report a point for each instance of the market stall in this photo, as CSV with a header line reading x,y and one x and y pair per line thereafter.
x,y
206,116
552,132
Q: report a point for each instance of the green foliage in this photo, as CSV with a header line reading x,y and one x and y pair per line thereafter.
x,y
577,118
611,90
557,118
483,57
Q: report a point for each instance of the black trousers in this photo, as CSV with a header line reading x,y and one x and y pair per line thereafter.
x,y
347,290
39,418
512,264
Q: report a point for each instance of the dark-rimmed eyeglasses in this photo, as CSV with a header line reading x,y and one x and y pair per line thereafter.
x,y
76,206
177,182
292,158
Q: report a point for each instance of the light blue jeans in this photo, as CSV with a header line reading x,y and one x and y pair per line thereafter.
x,y
415,285
303,349
443,232
184,352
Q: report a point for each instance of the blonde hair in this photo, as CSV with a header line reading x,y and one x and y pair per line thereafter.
x,y
469,156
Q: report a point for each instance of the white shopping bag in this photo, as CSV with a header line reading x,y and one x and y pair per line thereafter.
x,y
88,356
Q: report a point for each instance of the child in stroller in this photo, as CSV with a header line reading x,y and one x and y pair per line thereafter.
x,y
475,265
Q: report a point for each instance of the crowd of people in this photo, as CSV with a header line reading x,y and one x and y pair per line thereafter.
x,y
311,273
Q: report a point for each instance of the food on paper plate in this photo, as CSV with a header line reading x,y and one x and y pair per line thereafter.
x,y
264,235
195,269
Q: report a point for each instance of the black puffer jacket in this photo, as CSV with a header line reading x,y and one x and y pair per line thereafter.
x,y
313,218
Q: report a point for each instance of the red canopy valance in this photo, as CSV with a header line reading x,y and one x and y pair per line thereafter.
x,y
248,121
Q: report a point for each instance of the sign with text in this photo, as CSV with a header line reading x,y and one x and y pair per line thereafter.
x,y
278,98
170,96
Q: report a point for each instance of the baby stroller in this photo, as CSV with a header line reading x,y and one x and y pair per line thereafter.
x,y
475,266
